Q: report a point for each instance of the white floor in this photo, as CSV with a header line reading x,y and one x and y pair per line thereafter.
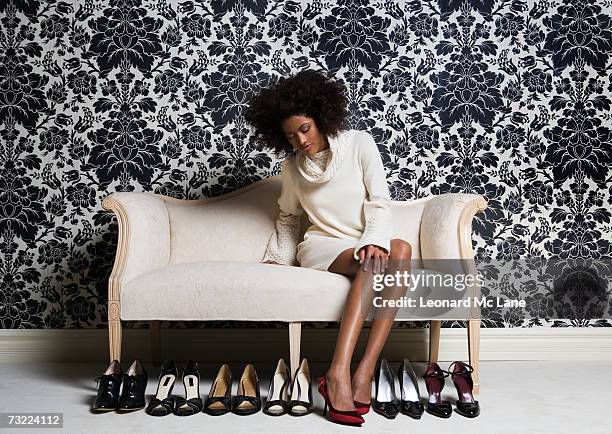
x,y
516,397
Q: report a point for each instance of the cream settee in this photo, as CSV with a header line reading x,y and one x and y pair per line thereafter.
x,y
196,259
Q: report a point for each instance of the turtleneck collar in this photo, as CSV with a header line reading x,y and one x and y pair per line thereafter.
x,y
312,172
321,158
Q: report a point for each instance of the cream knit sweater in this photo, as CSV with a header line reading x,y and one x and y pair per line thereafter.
x,y
344,192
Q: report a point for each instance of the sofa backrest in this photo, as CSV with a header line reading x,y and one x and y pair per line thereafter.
x,y
237,226
407,224
231,227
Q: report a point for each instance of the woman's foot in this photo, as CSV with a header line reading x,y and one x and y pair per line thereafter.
x,y
339,391
362,388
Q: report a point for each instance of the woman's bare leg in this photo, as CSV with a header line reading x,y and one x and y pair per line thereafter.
x,y
401,253
338,377
341,389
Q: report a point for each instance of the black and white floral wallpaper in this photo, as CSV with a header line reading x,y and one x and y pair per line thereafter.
x,y
506,98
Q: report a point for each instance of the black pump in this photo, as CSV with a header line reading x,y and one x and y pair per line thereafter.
x,y
410,398
386,402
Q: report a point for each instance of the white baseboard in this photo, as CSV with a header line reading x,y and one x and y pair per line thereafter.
x,y
214,345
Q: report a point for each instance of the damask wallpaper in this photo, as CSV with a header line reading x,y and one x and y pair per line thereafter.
x,y
508,99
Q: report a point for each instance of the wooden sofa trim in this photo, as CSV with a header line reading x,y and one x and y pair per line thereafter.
x,y
471,208
114,302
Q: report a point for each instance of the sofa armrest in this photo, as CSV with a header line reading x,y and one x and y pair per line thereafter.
x,y
446,233
446,225
144,236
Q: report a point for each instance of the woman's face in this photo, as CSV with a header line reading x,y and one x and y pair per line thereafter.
x,y
303,134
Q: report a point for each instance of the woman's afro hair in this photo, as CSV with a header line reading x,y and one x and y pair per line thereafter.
x,y
308,93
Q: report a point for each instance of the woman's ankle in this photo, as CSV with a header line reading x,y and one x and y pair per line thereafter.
x,y
339,389
361,384
337,374
363,373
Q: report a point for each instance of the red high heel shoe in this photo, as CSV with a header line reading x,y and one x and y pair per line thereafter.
x,y
349,417
361,407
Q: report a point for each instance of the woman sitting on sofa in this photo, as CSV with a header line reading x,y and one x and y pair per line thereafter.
x,y
337,177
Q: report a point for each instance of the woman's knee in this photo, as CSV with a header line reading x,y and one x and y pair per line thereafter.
x,y
400,249
345,264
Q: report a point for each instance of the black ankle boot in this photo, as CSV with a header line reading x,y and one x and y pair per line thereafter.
x,y
109,384
134,386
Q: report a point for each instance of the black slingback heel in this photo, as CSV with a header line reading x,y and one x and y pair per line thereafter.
x,y
192,403
278,393
301,391
163,404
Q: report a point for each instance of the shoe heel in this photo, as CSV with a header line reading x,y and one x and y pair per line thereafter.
x,y
192,403
386,402
278,392
434,382
461,375
342,417
162,403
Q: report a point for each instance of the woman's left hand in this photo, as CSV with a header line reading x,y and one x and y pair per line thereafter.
x,y
377,255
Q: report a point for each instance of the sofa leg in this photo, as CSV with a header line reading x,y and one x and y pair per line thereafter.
x,y
434,340
295,337
114,339
474,351
155,342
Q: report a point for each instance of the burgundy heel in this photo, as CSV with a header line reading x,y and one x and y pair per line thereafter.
x,y
461,374
434,381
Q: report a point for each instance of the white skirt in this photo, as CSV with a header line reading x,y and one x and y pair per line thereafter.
x,y
319,251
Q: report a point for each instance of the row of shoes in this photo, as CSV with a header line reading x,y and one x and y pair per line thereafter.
x,y
219,401
387,404
295,399
247,400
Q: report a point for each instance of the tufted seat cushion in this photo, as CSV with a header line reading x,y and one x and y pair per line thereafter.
x,y
226,290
